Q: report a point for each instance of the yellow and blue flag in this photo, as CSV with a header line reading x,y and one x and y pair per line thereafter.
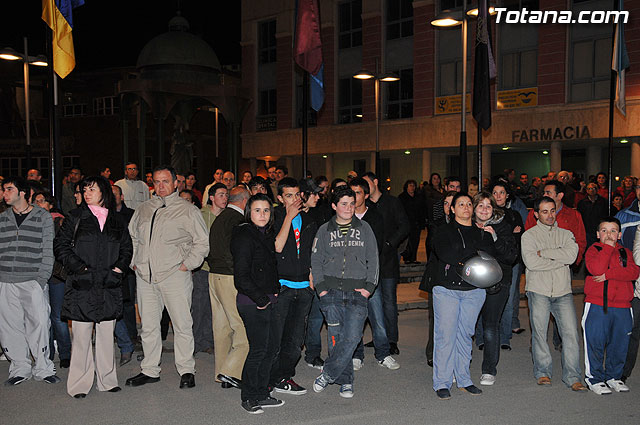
x,y
58,16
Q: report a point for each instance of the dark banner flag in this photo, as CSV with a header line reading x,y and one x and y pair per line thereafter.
x,y
307,50
484,69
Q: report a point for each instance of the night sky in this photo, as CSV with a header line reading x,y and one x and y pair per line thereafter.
x,y
111,33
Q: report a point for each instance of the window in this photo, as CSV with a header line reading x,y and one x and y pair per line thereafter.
x,y
350,24
591,69
266,119
400,95
109,105
349,100
450,4
267,41
75,110
451,78
519,70
399,19
518,47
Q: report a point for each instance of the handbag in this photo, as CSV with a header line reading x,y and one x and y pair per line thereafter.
x,y
59,272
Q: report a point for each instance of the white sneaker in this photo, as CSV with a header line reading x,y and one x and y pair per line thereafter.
x,y
600,388
357,364
617,385
3,357
346,390
486,379
390,363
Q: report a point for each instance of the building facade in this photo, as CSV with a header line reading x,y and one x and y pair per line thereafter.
x,y
549,99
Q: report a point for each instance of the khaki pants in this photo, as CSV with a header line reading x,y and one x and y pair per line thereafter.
x,y
83,367
175,293
229,336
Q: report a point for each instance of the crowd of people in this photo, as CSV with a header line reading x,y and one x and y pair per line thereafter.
x,y
249,271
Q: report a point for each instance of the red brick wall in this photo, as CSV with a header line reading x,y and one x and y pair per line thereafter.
x,y
552,57
248,81
326,114
423,60
371,50
284,85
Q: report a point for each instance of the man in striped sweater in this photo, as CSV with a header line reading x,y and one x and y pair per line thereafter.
x,y
26,263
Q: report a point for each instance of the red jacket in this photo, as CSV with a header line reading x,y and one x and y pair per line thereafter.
x,y
568,219
602,258
626,200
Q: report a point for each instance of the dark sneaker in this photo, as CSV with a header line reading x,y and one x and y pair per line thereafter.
x,y
443,394
472,389
316,363
252,407
51,379
320,383
270,402
289,387
65,363
15,381
346,390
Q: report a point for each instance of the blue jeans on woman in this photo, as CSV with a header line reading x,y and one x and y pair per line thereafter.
x,y
59,328
455,316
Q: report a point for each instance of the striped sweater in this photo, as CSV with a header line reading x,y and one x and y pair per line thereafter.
x,y
26,252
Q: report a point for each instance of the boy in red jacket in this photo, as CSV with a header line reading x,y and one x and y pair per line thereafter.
x,y
607,318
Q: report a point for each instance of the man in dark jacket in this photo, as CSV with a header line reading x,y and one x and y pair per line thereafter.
x,y
593,208
396,229
229,336
344,263
295,232
369,214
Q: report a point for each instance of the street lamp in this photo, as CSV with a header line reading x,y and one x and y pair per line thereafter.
x,y
10,54
386,77
451,18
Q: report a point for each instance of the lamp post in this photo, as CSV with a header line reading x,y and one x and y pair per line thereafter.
x,y
12,55
450,19
386,77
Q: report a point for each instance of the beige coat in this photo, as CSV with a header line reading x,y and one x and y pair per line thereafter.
x,y
548,274
179,236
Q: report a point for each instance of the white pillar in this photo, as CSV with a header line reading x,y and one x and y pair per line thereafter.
x,y
328,167
555,157
594,160
486,163
635,159
426,164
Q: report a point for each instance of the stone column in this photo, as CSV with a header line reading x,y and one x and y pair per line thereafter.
x,y
486,163
555,157
594,160
635,159
426,164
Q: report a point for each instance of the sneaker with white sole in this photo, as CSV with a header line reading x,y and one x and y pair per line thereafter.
x,y
346,390
486,379
316,363
617,386
289,386
600,388
320,383
390,363
357,364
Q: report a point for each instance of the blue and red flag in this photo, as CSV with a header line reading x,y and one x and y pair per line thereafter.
x,y
58,16
307,50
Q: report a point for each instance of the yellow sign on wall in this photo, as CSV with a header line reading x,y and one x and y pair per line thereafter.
x,y
520,98
451,104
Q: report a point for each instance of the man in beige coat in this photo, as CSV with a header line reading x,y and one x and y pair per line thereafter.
x,y
169,240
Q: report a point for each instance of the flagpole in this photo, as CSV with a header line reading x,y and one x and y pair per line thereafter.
x,y
463,119
479,157
612,96
305,121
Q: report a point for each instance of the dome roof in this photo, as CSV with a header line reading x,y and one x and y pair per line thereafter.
x,y
178,47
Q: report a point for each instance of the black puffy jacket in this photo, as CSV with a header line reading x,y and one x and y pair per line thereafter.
x,y
294,265
255,272
93,291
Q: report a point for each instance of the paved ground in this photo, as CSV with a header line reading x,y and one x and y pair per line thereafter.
x,y
381,396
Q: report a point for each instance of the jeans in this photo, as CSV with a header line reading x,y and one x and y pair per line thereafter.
x,y
634,339
390,307
291,313
563,310
261,328
122,337
345,313
379,332
510,319
201,312
455,314
606,336
313,340
429,349
492,311
129,307
59,328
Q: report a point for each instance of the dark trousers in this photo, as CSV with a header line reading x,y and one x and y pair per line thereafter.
x,y
412,243
129,307
291,312
429,350
634,339
261,327
201,312
491,314
390,307
59,328
312,339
